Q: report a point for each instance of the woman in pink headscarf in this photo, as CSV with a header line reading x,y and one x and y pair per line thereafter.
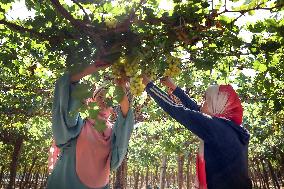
x,y
87,155
223,151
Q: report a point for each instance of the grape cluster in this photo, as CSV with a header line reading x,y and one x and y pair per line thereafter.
x,y
118,68
151,73
111,22
131,68
136,85
173,69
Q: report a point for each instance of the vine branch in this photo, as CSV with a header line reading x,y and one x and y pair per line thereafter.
x,y
251,9
82,8
80,25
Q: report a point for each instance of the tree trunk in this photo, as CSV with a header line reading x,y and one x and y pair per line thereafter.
x,y
252,176
2,174
136,179
262,176
168,180
36,179
156,175
180,170
151,180
163,172
142,180
188,172
121,175
23,175
282,166
27,177
44,178
273,175
265,174
259,175
147,176
31,180
14,162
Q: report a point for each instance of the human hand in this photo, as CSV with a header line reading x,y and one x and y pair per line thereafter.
x,y
146,80
122,82
100,65
167,81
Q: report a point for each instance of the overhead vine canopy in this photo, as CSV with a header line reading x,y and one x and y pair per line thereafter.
x,y
150,36
83,31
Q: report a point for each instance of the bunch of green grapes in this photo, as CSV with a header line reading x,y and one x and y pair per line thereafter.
x,y
111,22
131,67
151,73
136,85
118,69
173,69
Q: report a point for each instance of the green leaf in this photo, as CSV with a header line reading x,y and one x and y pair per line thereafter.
x,y
109,102
82,91
100,125
2,16
93,113
259,66
118,94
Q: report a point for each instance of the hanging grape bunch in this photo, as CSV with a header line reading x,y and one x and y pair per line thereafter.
x,y
132,70
117,68
151,72
136,85
131,66
173,68
128,66
111,22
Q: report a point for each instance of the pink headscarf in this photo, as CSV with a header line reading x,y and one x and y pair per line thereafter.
x,y
223,102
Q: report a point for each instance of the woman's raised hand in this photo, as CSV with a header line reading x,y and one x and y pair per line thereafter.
x,y
146,80
100,65
124,102
167,81
122,82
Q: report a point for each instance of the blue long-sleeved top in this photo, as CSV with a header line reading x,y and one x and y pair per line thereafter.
x,y
67,126
225,143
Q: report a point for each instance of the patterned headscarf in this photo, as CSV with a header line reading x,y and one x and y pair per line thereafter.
x,y
222,101
98,91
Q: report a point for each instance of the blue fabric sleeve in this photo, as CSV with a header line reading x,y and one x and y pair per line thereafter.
x,y
121,132
65,125
186,101
198,123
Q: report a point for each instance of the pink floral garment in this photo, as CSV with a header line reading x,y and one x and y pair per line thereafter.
x,y
93,155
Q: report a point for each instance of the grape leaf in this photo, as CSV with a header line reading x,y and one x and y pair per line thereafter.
x,y
82,91
118,94
100,125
